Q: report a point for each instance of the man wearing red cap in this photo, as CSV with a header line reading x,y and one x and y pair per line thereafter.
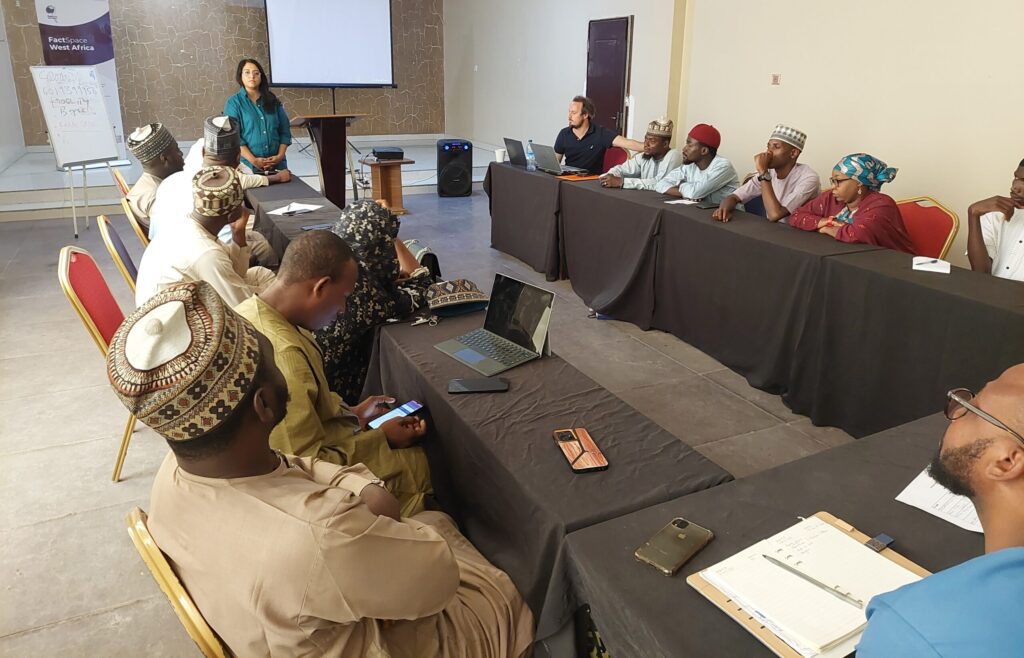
x,y
704,174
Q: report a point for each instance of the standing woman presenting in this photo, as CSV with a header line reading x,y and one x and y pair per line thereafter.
x,y
262,121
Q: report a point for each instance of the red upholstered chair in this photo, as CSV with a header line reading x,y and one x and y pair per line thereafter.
x,y
615,155
89,294
121,183
930,225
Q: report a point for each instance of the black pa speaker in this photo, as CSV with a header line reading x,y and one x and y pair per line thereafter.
x,y
454,167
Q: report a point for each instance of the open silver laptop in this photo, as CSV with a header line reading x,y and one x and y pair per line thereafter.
x,y
547,162
516,154
515,330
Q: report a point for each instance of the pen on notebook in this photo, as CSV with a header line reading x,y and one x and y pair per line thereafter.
x,y
857,603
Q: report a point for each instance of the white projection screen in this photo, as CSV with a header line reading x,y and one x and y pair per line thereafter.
x,y
330,43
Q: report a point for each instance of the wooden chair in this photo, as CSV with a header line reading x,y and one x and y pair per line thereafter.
x,y
121,183
136,226
931,226
117,250
614,156
90,296
163,574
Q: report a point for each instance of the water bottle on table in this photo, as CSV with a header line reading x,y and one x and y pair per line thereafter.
x,y
531,163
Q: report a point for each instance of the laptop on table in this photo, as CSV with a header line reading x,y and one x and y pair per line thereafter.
x,y
515,330
516,154
547,162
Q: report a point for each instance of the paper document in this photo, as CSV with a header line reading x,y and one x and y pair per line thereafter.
x,y
295,209
927,494
688,202
925,264
803,615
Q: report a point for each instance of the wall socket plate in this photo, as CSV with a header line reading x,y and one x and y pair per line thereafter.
x,y
776,79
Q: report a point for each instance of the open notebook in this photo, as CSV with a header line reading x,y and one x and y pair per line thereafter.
x,y
807,618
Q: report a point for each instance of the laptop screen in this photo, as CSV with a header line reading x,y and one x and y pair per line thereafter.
x,y
519,312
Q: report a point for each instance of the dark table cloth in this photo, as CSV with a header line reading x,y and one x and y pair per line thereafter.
x,y
893,340
641,613
511,489
739,290
278,229
610,242
524,216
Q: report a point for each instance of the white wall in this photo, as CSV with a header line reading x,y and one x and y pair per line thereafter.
x,y
933,88
511,68
12,141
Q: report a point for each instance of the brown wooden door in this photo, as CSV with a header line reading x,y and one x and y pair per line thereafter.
x,y
609,46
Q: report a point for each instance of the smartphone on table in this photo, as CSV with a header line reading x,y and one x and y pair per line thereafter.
x,y
407,409
674,545
480,385
580,451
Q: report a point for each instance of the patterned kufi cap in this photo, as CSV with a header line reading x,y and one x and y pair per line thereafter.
x,y
148,142
184,361
790,136
661,127
220,135
216,191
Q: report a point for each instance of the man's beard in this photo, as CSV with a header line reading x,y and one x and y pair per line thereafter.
x,y
952,469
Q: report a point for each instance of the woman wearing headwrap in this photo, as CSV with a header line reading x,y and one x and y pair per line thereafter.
x,y
854,210
391,285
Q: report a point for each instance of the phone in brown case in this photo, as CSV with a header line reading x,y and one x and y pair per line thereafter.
x,y
580,451
674,545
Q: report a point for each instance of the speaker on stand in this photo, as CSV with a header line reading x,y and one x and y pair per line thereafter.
x,y
454,167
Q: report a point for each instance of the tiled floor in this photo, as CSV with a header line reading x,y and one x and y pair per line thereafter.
x,y
73,584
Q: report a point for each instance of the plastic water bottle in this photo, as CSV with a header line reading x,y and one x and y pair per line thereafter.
x,y
531,163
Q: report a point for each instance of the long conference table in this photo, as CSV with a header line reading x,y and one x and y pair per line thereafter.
x,y
643,614
850,334
497,470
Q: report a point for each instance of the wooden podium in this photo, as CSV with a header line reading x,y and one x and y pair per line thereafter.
x,y
328,134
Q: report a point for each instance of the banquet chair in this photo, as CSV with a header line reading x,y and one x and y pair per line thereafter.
x,y
614,155
121,183
930,225
90,296
117,250
136,226
163,574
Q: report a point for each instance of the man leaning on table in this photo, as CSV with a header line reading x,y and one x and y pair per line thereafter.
x,y
645,169
782,183
973,609
995,237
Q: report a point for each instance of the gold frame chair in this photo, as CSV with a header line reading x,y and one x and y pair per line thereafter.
x,y
170,585
136,226
65,283
952,215
122,184
105,228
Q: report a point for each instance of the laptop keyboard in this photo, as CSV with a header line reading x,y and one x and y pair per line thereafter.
x,y
501,350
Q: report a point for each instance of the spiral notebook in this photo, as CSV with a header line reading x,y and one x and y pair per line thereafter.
x,y
789,614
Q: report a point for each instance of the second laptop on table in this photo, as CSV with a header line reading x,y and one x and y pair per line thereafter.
x,y
515,330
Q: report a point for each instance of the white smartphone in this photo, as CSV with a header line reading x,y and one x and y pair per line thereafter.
x,y
407,409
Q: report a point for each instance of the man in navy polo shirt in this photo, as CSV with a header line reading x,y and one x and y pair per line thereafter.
x,y
584,143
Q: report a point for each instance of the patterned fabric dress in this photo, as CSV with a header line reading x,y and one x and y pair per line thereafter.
x,y
348,342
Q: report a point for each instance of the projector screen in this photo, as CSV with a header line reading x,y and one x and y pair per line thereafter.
x,y
330,43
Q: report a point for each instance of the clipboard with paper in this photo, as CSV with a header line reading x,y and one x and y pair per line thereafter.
x,y
790,615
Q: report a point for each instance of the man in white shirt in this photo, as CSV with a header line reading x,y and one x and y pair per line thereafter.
x,y
645,169
220,146
704,174
995,232
782,183
160,158
188,250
